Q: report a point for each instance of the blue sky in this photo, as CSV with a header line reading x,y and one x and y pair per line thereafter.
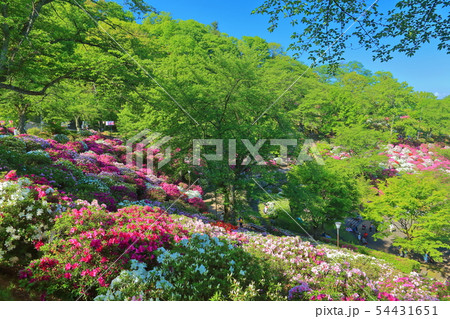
x,y
428,70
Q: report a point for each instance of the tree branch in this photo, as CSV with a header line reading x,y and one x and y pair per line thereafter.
x,y
36,93
26,29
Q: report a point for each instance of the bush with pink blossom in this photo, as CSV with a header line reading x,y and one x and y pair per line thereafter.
x,y
91,246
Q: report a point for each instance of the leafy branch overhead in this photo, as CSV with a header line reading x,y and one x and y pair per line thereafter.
x,y
382,28
40,39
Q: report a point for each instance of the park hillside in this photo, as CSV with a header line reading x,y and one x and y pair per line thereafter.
x,y
87,215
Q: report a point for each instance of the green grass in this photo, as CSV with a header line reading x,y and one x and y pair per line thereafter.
x,y
403,264
283,220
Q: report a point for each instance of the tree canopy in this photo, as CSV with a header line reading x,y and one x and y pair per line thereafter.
x,y
327,27
418,206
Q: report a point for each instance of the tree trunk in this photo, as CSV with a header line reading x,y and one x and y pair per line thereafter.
x,y
226,204
77,123
22,123
232,202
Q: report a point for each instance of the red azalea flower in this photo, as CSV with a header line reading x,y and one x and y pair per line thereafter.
x,y
38,245
11,176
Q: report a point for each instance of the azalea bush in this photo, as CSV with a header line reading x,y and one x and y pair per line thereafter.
x,y
202,225
201,268
58,177
227,226
27,211
78,247
91,184
61,138
157,194
34,143
411,287
70,167
426,157
12,143
37,157
10,159
197,203
337,274
90,247
297,292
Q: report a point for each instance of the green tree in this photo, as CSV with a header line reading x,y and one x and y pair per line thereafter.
x,y
363,146
434,117
41,41
389,99
417,204
19,106
328,105
320,195
72,100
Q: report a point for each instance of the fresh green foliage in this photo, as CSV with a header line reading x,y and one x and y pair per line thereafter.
x,y
318,194
418,206
408,25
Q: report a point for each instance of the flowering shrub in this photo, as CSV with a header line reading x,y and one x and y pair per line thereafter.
x,y
78,146
37,157
70,167
228,227
61,138
384,296
107,200
201,268
91,185
89,237
336,274
26,212
156,194
57,176
197,203
171,190
34,143
411,287
12,143
91,246
106,159
406,158
3,130
123,192
86,159
200,225
59,154
296,293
